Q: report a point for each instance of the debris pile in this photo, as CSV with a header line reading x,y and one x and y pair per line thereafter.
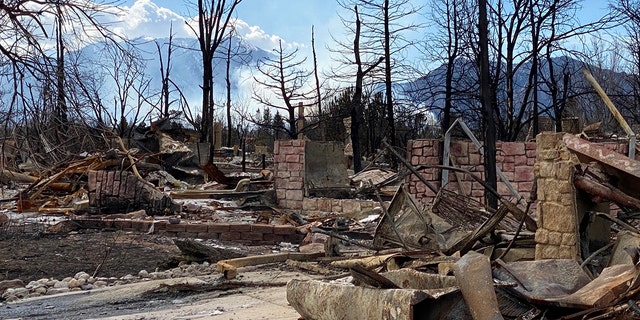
x,y
456,259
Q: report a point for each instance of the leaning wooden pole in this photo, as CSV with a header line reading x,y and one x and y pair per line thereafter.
x,y
614,111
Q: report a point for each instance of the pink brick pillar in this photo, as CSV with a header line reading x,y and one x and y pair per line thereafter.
x,y
289,173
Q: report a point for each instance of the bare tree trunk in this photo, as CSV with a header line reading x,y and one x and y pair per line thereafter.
x,y
533,80
315,74
61,105
213,20
356,102
166,75
387,78
452,49
487,106
228,79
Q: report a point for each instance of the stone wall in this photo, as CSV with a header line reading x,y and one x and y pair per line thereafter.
x,y
515,159
557,234
288,158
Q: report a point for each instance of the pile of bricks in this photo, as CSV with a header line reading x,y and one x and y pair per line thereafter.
x,y
121,191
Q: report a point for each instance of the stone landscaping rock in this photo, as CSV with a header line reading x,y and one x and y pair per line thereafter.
x,y
33,285
6,284
16,289
82,275
61,284
143,274
73,283
128,277
40,290
53,291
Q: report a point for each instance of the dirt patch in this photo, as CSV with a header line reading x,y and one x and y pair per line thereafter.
x,y
107,254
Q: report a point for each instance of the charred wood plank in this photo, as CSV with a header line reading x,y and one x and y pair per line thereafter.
x,y
601,191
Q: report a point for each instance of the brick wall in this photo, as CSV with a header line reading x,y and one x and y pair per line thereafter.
x,y
288,157
289,170
515,159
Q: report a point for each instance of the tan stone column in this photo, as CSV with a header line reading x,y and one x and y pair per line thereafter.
x,y
557,235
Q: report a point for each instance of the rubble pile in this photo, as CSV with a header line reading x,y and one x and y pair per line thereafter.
x,y
570,250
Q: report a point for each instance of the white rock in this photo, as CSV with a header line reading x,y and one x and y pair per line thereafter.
x,y
82,275
159,275
192,268
100,284
33,285
143,274
82,282
73,283
15,292
91,280
57,290
61,284
40,290
128,277
67,279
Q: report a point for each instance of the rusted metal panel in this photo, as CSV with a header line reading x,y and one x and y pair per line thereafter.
x,y
406,225
626,170
562,283
541,279
473,272
603,155
603,290
624,239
